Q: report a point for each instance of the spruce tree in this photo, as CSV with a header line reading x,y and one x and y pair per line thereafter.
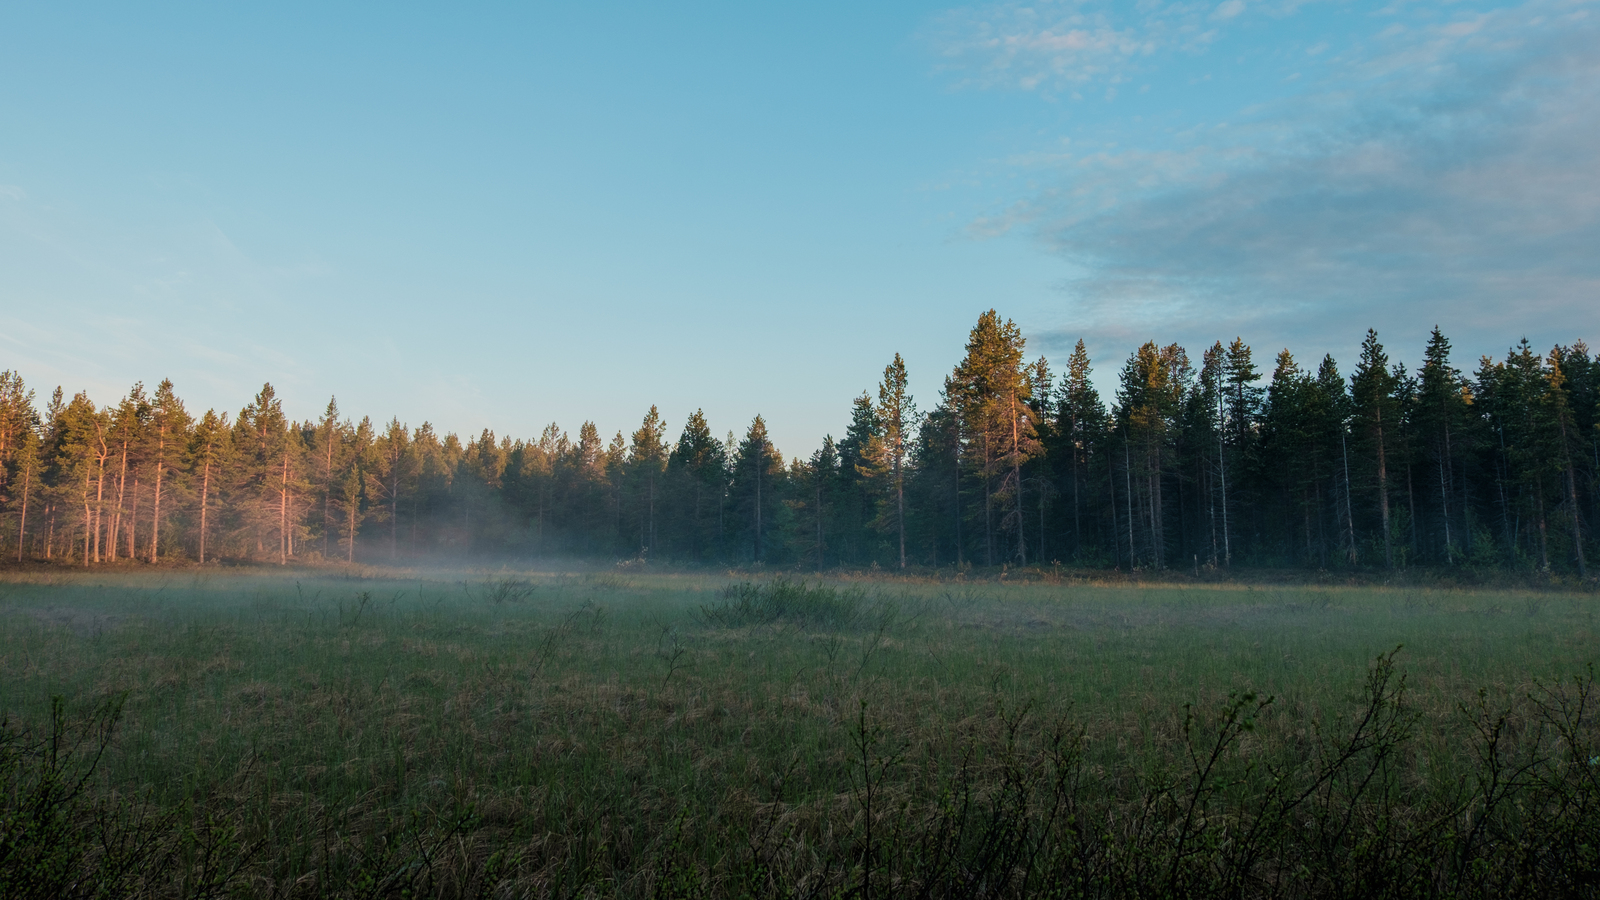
x,y
1443,408
1082,425
698,470
1372,390
758,472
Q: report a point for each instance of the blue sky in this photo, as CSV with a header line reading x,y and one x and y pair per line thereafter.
x,y
516,214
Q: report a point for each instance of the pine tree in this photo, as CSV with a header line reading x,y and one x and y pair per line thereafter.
x,y
268,474
646,464
168,429
25,471
394,469
896,416
19,449
206,456
78,451
1149,398
328,441
989,391
1561,430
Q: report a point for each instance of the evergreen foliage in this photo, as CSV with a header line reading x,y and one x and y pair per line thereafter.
x,y
1189,466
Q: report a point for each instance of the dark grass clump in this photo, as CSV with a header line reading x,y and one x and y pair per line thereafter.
x,y
808,605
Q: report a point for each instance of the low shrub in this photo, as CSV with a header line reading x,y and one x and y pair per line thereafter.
x,y
764,603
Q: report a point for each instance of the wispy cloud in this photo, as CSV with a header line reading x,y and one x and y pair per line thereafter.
x,y
1449,173
1066,45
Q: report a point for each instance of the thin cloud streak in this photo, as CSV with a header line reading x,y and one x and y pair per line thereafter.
x,y
1450,175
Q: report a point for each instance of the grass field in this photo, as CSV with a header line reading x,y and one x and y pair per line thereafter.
x,y
543,734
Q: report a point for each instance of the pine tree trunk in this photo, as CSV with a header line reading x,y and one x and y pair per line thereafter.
x,y
1349,515
283,514
988,501
1411,510
957,499
99,507
1544,541
22,523
1222,469
1383,495
759,454
205,496
1127,484
819,520
1016,475
1577,526
1077,527
1116,539
155,519
1572,498
133,522
116,519
900,509
394,510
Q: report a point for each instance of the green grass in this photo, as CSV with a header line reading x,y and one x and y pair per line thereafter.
x,y
546,734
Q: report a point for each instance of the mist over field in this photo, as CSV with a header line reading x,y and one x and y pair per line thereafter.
x,y
1065,449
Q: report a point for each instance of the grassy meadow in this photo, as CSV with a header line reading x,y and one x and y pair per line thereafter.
x,y
192,733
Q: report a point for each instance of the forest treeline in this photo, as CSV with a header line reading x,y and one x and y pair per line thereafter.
x,y
1192,464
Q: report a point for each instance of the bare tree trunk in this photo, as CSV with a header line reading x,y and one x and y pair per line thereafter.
x,y
988,501
161,471
133,521
1444,510
1577,525
88,523
1383,494
957,497
116,518
22,523
327,489
205,496
819,520
283,514
1572,499
1127,484
1222,469
760,454
900,507
394,510
1016,475
1544,542
1077,525
1349,516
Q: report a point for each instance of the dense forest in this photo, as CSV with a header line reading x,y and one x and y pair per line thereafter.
x,y
1192,464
